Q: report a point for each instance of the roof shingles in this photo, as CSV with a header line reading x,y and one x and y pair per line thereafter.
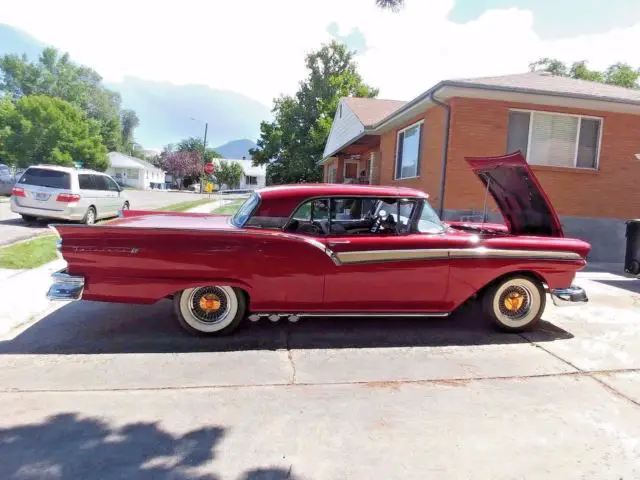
x,y
371,110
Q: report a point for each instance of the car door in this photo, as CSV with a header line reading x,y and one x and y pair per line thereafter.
x,y
105,200
399,270
115,196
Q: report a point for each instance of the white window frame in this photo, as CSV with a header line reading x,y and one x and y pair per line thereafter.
x,y
344,169
575,154
395,165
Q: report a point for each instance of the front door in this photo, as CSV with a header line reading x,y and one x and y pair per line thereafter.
x,y
381,262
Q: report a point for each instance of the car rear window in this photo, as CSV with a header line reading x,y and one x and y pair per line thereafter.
x,y
43,177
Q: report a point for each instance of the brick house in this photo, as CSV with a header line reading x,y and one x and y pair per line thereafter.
x,y
581,138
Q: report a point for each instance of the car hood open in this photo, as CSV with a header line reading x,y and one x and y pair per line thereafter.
x,y
524,205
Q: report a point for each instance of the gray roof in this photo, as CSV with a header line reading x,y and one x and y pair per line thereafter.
x,y
120,160
544,82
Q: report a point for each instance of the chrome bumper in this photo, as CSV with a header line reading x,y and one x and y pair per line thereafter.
x,y
565,297
65,287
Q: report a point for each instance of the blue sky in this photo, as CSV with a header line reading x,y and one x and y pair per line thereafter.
x,y
559,18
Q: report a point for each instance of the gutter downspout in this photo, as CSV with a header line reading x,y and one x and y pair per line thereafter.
x,y
445,152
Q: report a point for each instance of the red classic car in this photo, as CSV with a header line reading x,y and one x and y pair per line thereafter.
x,y
340,250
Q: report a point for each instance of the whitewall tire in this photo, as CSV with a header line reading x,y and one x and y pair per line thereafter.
x,y
515,304
210,310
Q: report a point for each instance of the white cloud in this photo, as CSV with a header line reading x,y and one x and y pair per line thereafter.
x,y
257,47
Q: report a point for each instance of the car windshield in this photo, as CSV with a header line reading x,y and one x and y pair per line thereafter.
x,y
429,222
43,177
245,211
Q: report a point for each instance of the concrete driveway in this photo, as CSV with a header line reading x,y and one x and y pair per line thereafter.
x,y
13,228
113,391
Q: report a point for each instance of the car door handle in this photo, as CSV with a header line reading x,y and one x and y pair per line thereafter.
x,y
339,242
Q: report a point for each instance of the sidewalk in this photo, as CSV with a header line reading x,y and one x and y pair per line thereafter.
x,y
24,292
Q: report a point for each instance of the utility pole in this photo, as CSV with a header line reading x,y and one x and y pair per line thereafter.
x,y
204,153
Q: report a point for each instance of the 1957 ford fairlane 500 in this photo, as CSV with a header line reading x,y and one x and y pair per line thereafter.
x,y
342,250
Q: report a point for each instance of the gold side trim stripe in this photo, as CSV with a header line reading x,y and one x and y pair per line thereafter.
x,y
439,254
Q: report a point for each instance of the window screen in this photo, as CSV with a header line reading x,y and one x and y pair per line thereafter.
x,y
588,144
408,152
518,137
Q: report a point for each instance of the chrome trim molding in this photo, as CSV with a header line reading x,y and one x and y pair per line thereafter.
x,y
441,254
65,287
254,316
566,297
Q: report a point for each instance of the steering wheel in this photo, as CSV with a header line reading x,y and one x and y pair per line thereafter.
x,y
377,223
324,228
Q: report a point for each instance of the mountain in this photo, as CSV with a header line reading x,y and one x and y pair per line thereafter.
x,y
236,149
166,110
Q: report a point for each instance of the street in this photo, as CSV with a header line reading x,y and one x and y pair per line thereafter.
x,y
119,391
15,229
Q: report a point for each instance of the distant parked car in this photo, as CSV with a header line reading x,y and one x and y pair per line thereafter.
x,y
6,180
64,193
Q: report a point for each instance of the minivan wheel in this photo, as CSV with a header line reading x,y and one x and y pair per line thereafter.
x,y
515,304
29,218
210,310
90,216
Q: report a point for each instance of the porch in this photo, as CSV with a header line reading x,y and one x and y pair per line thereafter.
x,y
358,163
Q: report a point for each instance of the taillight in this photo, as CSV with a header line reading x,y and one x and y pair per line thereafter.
x,y
67,197
17,192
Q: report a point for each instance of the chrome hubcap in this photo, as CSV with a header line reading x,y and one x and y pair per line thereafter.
x,y
209,305
515,302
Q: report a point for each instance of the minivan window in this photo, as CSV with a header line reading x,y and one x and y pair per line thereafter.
x,y
100,182
111,184
86,182
43,177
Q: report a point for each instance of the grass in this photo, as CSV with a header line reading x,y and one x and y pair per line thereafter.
x,y
182,206
229,208
29,254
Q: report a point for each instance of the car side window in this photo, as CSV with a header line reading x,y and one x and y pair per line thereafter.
x,y
310,218
111,185
428,222
372,216
86,182
100,182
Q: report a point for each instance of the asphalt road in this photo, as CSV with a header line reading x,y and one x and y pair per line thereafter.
x,y
13,228
114,391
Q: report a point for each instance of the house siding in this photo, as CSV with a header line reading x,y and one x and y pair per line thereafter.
x,y
480,127
345,127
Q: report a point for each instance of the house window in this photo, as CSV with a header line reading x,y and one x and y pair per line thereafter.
x,y
250,180
350,169
408,151
556,140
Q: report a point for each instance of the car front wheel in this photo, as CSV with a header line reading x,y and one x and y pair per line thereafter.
x,y
515,304
210,310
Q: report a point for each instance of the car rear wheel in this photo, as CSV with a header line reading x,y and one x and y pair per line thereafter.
x,y
210,310
90,216
29,218
515,304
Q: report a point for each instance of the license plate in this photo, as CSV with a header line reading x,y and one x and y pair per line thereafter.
x,y
41,196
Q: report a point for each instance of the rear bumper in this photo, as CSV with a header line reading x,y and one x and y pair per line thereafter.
x,y
71,212
66,287
565,297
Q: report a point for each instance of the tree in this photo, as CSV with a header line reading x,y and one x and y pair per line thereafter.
x,y
393,5
57,76
129,122
228,173
181,165
620,74
196,144
43,129
292,144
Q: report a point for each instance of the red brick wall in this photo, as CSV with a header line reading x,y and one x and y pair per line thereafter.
x,y
479,128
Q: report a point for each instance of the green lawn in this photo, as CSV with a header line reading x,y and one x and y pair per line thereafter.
x,y
182,206
29,254
229,208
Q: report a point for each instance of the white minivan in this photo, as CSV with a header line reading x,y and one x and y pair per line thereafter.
x,y
64,193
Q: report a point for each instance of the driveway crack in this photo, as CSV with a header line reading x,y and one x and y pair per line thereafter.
x,y
290,357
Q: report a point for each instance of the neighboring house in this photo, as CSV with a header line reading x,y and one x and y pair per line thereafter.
x,y
580,137
253,177
135,172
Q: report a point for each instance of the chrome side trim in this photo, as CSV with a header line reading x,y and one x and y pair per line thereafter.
x,y
352,314
65,287
566,297
392,255
506,253
461,253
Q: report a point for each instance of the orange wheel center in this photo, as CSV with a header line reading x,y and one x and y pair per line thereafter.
x,y
513,301
210,303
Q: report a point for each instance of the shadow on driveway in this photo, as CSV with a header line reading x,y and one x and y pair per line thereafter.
x,y
95,327
70,446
